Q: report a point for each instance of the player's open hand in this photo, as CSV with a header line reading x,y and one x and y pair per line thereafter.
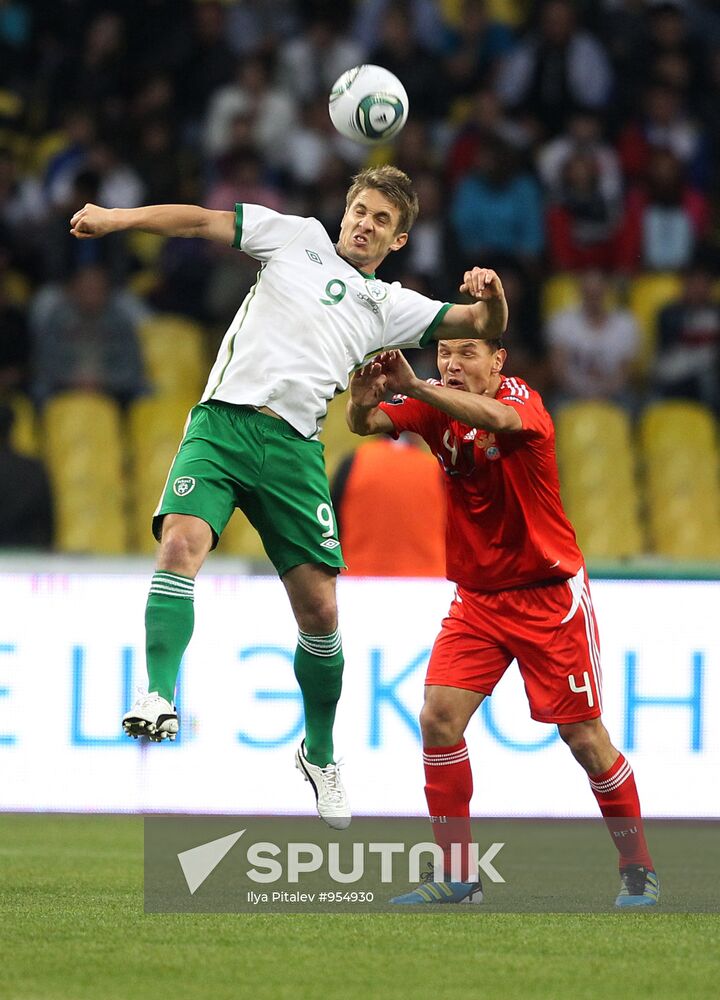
x,y
399,376
482,283
368,385
91,221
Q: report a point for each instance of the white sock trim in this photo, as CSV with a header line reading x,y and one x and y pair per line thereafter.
x,y
321,645
171,585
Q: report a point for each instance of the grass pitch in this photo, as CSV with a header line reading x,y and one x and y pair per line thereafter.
x,y
72,927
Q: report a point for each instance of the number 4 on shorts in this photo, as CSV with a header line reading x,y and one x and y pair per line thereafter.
x,y
585,688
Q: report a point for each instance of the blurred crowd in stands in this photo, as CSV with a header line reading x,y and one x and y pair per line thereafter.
x,y
544,138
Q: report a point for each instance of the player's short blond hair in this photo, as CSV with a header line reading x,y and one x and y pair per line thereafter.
x,y
395,185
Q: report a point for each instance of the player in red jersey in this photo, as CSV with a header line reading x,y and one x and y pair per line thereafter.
x,y
522,592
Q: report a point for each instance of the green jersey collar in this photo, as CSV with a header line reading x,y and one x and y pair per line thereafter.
x,y
369,276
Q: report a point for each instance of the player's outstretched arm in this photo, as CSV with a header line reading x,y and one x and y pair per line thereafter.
x,y
367,388
92,221
486,318
469,408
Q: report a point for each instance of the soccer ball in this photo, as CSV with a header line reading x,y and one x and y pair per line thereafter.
x,y
368,104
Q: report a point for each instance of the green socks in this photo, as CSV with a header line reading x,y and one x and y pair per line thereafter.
x,y
318,667
169,621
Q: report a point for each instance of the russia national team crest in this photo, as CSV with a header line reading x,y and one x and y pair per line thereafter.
x,y
183,486
486,441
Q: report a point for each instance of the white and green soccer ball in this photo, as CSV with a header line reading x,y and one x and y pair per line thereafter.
x,y
368,104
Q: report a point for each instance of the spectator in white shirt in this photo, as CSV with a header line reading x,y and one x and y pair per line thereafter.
x,y
251,93
593,345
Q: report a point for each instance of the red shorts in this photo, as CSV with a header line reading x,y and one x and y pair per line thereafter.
x,y
550,630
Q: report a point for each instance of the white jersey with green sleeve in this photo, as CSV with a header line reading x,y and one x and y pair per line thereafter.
x,y
309,320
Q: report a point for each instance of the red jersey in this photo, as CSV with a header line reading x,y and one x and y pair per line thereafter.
x,y
506,526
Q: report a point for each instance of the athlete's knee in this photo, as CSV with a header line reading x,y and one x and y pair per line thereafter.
x,y
318,617
185,543
311,590
584,738
440,723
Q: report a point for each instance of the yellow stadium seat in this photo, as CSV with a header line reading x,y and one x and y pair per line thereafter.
x,y
677,426
24,436
591,426
142,283
379,155
460,111
562,291
17,288
601,540
174,353
597,472
648,293
678,442
605,518
559,292
687,538
147,247
337,437
510,12
84,455
689,476
155,429
43,149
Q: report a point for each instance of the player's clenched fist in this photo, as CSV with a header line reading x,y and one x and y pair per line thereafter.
x,y
482,283
91,221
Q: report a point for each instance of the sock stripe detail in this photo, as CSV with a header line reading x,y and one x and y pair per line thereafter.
x,y
170,585
171,593
160,574
610,784
445,760
320,641
615,780
321,645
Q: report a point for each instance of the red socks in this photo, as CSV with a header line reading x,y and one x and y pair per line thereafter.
x,y
448,790
617,797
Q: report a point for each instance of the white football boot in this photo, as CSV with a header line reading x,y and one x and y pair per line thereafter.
x,y
151,716
332,800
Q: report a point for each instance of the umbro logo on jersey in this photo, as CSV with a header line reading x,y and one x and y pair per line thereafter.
x,y
330,543
314,257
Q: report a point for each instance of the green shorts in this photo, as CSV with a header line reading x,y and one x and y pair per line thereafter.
x,y
233,456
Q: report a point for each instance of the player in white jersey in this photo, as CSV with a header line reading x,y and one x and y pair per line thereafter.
x,y
314,314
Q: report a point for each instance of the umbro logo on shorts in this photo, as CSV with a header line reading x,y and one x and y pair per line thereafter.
x,y
183,485
330,543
